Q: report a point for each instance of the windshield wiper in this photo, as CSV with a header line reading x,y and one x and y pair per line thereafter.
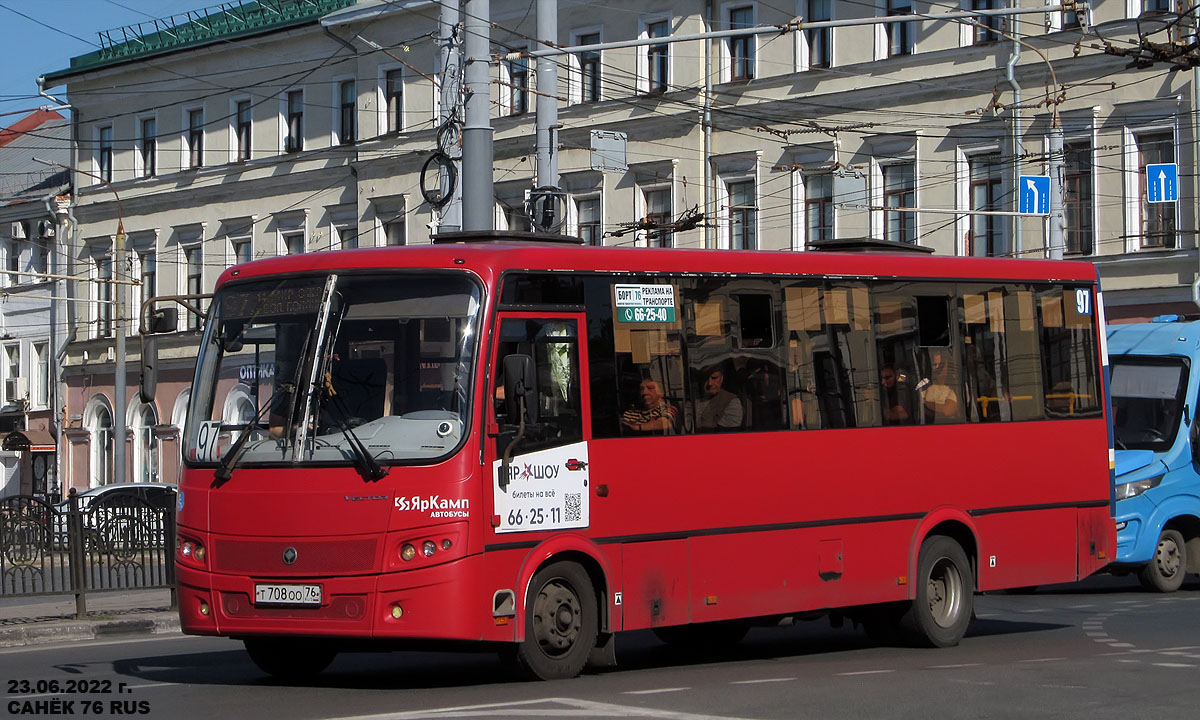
x,y
225,470
364,461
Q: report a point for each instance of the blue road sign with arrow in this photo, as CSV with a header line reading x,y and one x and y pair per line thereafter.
x,y
1034,195
1162,183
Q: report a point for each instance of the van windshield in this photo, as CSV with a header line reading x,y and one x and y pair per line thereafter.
x,y
1147,396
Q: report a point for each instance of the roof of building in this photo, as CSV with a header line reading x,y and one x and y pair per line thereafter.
x,y
196,28
43,134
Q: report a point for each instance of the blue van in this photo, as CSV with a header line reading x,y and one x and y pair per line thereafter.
x,y
1155,398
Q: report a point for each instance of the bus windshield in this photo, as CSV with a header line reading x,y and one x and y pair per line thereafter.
x,y
1147,397
308,367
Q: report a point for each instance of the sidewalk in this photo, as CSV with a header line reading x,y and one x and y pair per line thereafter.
x,y
51,619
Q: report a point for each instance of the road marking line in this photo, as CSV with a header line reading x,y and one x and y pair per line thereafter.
x,y
1080,607
948,667
1129,661
1122,645
867,672
1053,659
1096,634
763,680
1174,665
655,691
525,708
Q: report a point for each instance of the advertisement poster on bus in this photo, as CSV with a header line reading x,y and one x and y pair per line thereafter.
x,y
544,490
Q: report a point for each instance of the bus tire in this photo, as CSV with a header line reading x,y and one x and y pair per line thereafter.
x,y
290,658
1164,573
941,611
561,622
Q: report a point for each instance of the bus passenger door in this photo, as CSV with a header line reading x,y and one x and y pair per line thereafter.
x,y
537,444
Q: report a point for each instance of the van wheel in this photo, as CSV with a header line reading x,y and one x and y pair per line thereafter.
x,y
290,659
1164,573
561,622
939,614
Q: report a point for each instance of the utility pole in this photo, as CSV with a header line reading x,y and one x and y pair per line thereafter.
x,y
549,215
478,157
450,72
1057,241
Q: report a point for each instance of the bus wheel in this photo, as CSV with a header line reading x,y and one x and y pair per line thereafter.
x,y
560,622
289,659
1164,573
942,608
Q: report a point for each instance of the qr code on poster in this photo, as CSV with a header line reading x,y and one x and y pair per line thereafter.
x,y
574,503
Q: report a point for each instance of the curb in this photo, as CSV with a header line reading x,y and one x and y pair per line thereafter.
x,y
74,630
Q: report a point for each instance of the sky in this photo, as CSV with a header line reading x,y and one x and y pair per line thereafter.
x,y
38,37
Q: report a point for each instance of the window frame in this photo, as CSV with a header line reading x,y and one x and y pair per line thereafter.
x,y
146,156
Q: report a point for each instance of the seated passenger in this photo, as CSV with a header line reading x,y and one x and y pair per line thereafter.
x,y
717,408
897,397
652,414
938,395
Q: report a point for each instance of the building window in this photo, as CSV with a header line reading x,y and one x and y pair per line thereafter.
x,y
102,446
148,147
105,154
242,249
195,138
41,377
1158,219
394,231
103,274
393,100
659,216
193,258
293,242
741,49
899,191
12,373
658,57
743,216
12,262
986,26
900,39
591,228
818,207
294,141
518,88
986,182
1077,191
145,446
244,132
346,117
820,50
347,236
589,69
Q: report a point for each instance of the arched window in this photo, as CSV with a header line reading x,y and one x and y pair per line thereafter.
x,y
142,419
99,420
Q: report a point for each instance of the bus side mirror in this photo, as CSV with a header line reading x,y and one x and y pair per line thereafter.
x,y
149,381
520,381
162,320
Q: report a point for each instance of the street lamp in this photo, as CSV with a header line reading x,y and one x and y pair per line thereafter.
x,y
118,258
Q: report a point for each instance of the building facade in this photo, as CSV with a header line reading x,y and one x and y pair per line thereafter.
x,y
34,203
307,130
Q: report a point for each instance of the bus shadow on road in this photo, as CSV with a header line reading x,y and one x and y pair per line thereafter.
x,y
636,651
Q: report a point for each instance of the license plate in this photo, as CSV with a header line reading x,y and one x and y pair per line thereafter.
x,y
269,594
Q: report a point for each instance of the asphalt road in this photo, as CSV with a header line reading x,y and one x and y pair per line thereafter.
x,y
1102,649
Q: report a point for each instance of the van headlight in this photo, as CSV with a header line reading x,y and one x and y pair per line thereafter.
x,y
1137,487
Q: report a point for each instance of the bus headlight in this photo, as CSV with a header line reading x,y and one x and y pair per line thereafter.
x,y
1137,487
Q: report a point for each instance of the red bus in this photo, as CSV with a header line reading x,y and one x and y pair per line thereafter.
x,y
537,445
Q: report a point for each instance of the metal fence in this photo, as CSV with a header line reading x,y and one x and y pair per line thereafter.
x,y
120,543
